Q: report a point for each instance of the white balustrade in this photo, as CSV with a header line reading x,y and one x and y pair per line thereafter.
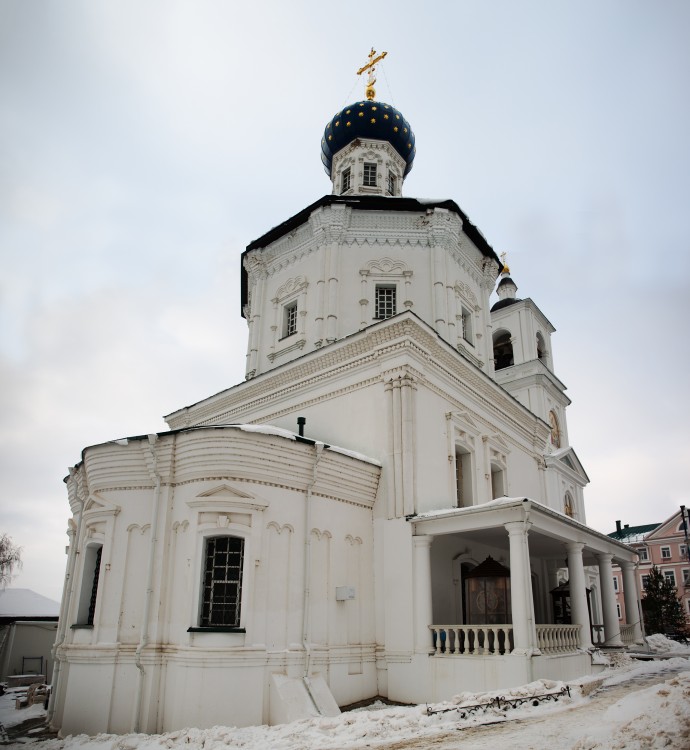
x,y
472,640
558,639
494,640
628,634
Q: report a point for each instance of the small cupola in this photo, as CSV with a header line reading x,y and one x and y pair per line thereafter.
x,y
506,289
368,147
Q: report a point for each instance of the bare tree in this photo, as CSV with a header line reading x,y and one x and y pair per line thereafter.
x,y
10,558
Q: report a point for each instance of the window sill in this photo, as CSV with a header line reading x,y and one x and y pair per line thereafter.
x,y
80,626
216,629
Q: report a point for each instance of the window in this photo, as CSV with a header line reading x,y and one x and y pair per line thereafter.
x,y
541,349
497,482
644,580
89,585
670,576
665,553
345,180
618,611
643,554
391,183
289,319
369,174
385,301
555,429
686,576
466,322
222,584
683,551
463,477
568,506
503,350
615,584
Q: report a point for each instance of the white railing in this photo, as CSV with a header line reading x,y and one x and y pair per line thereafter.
x,y
473,640
558,639
628,634
493,640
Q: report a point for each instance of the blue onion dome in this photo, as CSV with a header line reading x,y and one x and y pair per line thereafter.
x,y
368,119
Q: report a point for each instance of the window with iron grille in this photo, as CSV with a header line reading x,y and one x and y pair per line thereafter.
x,y
345,180
369,174
385,302
290,319
222,587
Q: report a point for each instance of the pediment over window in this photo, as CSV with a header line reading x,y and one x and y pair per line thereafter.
x,y
566,459
97,506
227,497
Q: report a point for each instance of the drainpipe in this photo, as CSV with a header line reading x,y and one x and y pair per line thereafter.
x,y
306,617
67,594
144,639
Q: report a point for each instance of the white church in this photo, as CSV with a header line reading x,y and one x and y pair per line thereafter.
x,y
388,505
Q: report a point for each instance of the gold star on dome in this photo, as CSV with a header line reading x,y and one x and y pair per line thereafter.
x,y
385,117
373,120
397,117
330,137
361,114
348,112
361,104
347,124
395,129
337,123
373,109
404,129
409,145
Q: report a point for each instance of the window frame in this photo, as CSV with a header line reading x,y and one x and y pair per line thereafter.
x,y
369,178
643,554
207,626
345,180
615,584
89,588
290,313
670,575
379,304
392,183
644,580
665,552
683,551
618,610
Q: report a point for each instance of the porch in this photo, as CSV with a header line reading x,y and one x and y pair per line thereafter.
x,y
536,545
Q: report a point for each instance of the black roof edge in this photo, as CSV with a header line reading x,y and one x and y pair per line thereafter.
x,y
364,203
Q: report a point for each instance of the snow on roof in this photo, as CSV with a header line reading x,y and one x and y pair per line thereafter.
x,y
354,454
26,603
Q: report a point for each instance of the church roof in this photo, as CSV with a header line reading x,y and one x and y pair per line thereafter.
x,y
371,120
367,203
23,604
504,303
629,534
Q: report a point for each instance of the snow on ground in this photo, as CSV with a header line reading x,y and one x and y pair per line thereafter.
x,y
631,704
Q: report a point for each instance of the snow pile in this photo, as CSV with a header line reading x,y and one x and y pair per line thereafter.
x,y
660,644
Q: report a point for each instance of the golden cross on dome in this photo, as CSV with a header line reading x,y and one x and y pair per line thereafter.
x,y
505,270
371,67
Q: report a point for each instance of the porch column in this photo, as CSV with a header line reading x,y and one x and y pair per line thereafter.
x,y
521,603
631,600
578,592
612,631
423,614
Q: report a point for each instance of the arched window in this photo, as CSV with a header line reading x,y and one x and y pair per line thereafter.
x,y
555,429
541,348
89,585
568,508
503,350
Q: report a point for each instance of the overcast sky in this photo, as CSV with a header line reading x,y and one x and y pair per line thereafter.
x,y
146,143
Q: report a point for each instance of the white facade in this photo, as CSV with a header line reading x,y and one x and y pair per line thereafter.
x,y
368,317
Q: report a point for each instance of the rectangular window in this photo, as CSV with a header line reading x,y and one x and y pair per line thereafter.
x,y
497,483
615,583
618,610
644,580
385,302
289,319
89,585
222,586
686,576
463,477
643,554
391,183
345,181
466,321
665,553
683,551
670,576
369,174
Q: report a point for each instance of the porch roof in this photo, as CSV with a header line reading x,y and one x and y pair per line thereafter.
x,y
548,533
